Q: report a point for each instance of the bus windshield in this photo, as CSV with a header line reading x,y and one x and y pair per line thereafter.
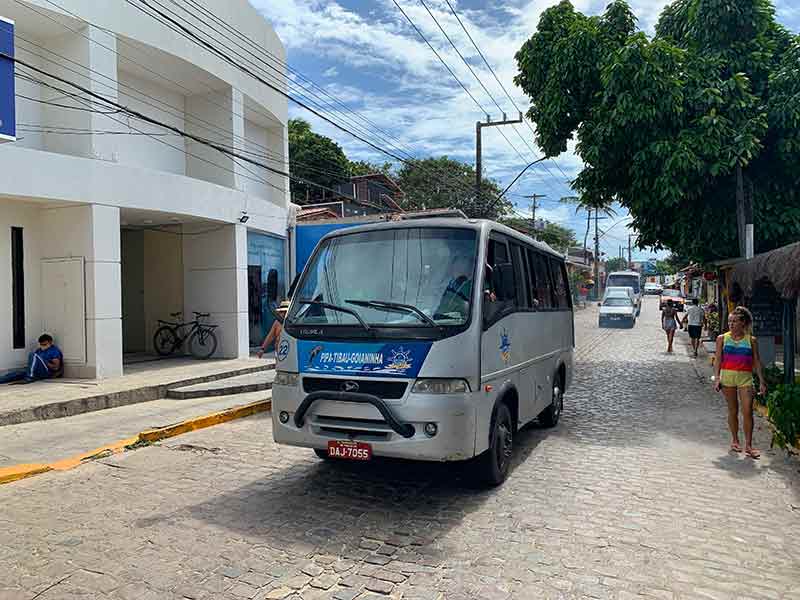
x,y
401,277
624,280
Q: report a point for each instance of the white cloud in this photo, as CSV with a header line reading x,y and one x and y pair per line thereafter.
x,y
398,84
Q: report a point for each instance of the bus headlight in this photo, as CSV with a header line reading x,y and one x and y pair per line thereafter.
x,y
286,378
440,386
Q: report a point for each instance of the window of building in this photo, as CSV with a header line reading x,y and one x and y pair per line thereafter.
x,y
17,288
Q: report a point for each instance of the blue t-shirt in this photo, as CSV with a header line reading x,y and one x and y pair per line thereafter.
x,y
48,355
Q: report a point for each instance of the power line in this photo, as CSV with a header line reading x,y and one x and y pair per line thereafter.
x,y
494,74
191,36
475,75
446,66
147,119
412,163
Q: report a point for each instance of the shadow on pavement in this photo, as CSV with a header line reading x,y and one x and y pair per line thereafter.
x,y
379,508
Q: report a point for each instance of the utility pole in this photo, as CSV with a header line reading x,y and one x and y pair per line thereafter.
x,y
534,198
586,236
630,260
596,255
479,150
744,216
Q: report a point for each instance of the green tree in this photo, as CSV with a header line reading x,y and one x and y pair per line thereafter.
x,y
314,158
665,124
616,264
363,167
447,183
558,237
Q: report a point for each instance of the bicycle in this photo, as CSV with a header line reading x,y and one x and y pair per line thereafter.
x,y
171,336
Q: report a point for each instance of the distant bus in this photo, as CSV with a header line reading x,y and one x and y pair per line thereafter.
x,y
630,279
430,339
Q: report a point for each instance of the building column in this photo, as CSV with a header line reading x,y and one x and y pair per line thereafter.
x,y
215,281
82,287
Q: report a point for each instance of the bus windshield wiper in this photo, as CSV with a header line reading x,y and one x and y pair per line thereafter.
x,y
396,307
335,307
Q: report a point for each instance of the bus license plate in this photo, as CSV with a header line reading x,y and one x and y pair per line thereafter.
x,y
349,450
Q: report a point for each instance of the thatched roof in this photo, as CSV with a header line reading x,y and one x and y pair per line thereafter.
x,y
781,267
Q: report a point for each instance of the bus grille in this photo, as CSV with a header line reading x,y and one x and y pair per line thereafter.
x,y
346,428
387,390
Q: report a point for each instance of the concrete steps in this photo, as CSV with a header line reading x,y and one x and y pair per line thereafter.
x,y
242,384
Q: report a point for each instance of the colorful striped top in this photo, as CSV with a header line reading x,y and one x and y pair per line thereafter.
x,y
737,355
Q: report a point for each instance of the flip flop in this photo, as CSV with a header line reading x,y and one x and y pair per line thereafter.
x,y
736,448
753,453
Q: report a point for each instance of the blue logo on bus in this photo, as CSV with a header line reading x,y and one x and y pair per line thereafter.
x,y
343,358
283,350
505,346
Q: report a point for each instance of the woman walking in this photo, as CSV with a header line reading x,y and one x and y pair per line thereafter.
x,y
737,356
669,322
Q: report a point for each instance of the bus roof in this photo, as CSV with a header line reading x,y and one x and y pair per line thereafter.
x,y
635,273
478,225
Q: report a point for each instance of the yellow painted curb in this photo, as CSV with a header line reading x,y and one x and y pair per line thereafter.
x,y
17,472
237,412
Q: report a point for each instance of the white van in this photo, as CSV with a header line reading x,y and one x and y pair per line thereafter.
x,y
431,339
630,279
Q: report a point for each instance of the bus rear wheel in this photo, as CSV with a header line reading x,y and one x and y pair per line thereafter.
x,y
551,414
495,463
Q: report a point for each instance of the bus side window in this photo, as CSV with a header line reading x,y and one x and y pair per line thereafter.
x,y
544,286
494,303
521,276
561,287
534,301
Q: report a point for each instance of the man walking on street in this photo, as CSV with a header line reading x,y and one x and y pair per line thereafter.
x,y
695,318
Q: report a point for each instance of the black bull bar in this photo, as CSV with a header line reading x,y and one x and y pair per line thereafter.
x,y
404,429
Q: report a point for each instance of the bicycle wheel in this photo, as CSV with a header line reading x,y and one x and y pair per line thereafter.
x,y
165,340
203,343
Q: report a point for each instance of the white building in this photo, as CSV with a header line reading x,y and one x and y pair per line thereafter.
x,y
118,228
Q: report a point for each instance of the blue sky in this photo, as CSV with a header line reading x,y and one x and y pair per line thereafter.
x,y
367,55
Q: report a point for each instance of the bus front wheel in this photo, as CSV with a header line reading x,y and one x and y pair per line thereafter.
x,y
494,464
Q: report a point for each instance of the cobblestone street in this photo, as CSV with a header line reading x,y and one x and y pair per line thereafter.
x,y
634,494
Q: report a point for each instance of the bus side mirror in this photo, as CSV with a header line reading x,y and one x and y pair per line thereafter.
x,y
272,286
504,274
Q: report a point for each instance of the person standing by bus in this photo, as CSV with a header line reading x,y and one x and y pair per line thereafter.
x,y
670,322
737,357
274,335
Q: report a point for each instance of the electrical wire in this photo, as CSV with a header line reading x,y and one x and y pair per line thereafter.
x,y
452,73
184,31
494,74
123,41
150,120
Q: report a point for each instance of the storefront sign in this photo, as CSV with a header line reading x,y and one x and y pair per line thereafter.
x,y
8,120
767,310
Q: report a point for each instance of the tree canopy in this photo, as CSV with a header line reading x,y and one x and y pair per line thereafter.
x,y
447,183
558,237
315,158
664,123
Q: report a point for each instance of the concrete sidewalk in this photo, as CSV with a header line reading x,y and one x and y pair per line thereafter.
x,y
45,442
142,382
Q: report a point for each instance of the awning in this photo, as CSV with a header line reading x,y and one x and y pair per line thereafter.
x,y
780,267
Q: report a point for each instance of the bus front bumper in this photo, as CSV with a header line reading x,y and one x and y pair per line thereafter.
x,y
335,417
